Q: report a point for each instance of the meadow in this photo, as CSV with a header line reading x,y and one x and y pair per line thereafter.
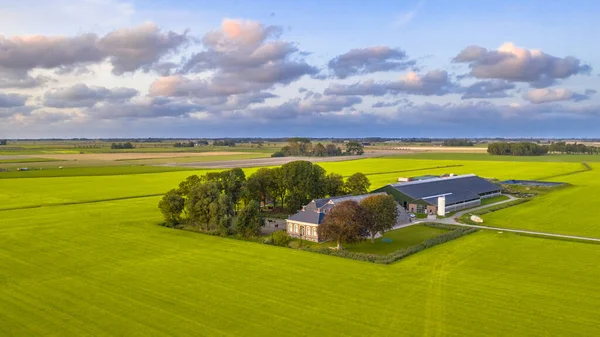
x,y
109,269
105,267
572,211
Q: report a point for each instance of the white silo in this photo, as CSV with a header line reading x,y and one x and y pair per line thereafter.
x,y
441,209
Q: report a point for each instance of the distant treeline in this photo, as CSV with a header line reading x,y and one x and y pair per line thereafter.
x,y
304,147
224,142
458,142
3,142
564,148
122,146
533,149
184,144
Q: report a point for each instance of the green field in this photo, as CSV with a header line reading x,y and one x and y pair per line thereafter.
x,y
108,269
573,158
26,160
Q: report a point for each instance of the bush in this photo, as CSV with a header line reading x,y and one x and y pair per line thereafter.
x,y
280,238
278,154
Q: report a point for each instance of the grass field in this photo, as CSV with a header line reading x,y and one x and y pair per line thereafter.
x,y
573,210
108,269
26,160
575,158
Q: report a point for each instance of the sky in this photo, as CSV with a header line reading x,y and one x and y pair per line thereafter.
x,y
193,69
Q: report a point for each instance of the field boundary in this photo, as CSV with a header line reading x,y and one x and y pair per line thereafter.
x,y
69,203
586,168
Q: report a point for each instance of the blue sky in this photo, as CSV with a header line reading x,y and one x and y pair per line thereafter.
x,y
117,68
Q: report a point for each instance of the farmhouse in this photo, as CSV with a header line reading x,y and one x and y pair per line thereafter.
x,y
442,195
304,224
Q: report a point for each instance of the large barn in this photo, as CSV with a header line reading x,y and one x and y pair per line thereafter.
x,y
442,195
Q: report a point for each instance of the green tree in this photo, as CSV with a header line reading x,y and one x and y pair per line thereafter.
x,y
354,148
357,183
171,206
186,186
225,214
278,188
249,220
202,205
345,223
319,150
381,214
334,184
260,185
304,181
3,142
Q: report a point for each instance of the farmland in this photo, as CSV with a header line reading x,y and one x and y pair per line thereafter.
x,y
105,267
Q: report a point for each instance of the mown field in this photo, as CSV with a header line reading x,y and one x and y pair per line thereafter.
x,y
43,191
108,269
573,210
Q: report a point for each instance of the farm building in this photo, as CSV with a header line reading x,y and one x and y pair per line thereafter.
x,y
305,223
442,195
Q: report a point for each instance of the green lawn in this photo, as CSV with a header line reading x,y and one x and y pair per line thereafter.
x,y
108,269
401,238
493,199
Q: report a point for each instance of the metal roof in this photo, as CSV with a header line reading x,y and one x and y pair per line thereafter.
x,y
453,198
461,187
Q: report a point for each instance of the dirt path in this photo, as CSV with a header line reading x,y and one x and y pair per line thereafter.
x,y
270,161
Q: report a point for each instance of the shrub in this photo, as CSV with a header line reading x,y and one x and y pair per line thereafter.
x,y
278,154
280,238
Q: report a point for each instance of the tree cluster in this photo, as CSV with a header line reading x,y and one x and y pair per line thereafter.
x,y
3,142
350,221
224,142
121,146
458,142
575,148
209,203
516,149
184,144
296,183
304,147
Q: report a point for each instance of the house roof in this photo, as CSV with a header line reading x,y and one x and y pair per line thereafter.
x,y
457,188
310,215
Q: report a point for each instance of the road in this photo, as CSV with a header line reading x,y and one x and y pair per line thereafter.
x,y
452,221
270,161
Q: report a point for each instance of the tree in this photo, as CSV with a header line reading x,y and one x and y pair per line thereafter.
x,y
278,188
354,148
232,183
3,142
334,184
345,223
381,214
186,186
224,214
202,205
249,220
357,184
171,206
333,150
319,150
260,185
303,181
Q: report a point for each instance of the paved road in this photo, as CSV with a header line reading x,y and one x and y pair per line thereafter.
x,y
269,161
452,221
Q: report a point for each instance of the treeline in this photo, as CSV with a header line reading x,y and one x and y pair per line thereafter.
x,y
564,148
533,149
304,147
184,144
516,149
121,146
3,142
224,142
458,142
209,202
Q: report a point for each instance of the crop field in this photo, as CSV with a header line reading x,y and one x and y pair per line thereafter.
x,y
573,210
107,268
573,158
